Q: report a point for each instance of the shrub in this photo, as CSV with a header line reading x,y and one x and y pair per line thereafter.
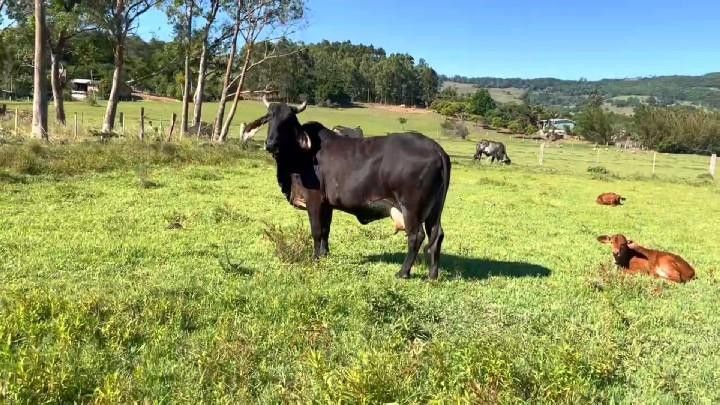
x,y
452,127
497,122
516,127
291,243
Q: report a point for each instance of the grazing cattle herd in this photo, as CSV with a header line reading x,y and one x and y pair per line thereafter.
x,y
403,176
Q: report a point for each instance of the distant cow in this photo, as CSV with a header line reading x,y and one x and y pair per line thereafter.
x,y
370,178
493,150
610,199
636,259
356,132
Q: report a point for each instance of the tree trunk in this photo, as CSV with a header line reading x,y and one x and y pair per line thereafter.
x,y
40,105
112,103
200,87
56,85
202,69
231,114
226,81
186,90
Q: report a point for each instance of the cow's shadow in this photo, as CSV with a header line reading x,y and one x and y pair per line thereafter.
x,y
470,268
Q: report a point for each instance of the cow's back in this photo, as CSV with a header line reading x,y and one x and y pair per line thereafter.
x,y
355,171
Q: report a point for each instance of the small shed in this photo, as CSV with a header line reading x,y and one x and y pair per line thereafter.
x,y
81,88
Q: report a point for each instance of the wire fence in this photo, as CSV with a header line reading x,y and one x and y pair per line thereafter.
x,y
17,121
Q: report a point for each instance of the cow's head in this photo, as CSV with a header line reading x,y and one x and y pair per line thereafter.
x,y
618,242
284,130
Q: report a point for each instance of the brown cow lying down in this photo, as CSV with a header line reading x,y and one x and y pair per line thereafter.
x,y
610,199
297,199
636,259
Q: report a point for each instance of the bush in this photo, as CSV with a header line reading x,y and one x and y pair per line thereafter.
x,y
516,127
530,129
452,127
497,122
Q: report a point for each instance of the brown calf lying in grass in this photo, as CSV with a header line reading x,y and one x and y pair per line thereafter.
x,y
636,259
610,199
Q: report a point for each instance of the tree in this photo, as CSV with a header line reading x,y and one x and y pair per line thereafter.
x,y
481,103
40,107
117,18
186,77
256,18
595,125
429,83
66,20
210,15
402,121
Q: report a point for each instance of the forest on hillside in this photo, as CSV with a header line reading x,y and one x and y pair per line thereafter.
x,y
701,91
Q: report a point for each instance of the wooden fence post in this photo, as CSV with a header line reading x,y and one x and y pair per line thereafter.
x,y
542,152
76,125
597,155
713,164
161,129
654,157
122,123
142,123
172,127
17,121
82,117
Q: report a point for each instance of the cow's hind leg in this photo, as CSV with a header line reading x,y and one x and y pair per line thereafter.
x,y
432,225
415,235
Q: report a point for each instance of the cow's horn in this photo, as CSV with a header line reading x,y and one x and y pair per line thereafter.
x,y
301,107
265,101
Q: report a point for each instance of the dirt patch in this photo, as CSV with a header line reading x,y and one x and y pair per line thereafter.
x,y
398,109
150,97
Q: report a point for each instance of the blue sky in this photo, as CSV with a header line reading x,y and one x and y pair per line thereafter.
x,y
524,38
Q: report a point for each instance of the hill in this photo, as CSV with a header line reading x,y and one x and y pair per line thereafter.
x,y
701,91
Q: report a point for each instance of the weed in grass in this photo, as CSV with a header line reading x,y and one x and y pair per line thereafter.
x,y
231,266
144,178
176,220
291,243
600,173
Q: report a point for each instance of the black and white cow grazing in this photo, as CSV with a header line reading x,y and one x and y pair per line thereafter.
x,y
356,132
493,150
371,178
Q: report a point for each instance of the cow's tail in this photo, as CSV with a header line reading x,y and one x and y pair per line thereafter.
x,y
440,203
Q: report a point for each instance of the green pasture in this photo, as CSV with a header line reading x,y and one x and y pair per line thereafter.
x,y
177,273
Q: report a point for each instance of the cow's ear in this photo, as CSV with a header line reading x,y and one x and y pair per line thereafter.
x,y
604,239
304,140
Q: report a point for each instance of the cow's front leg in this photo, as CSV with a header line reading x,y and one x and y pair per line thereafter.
x,y
320,219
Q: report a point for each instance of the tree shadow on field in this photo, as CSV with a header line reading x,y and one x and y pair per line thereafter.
x,y
470,268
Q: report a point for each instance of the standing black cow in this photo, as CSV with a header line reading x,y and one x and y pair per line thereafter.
x,y
321,171
356,132
493,150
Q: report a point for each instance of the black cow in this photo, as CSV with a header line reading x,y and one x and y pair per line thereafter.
x,y
356,132
493,150
321,171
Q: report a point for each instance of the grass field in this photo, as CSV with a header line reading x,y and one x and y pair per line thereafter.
x,y
179,274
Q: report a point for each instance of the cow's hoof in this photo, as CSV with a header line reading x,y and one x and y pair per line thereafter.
x,y
401,274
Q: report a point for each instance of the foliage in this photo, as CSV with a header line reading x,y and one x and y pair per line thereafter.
x,y
481,103
497,122
595,125
454,127
664,90
678,129
517,127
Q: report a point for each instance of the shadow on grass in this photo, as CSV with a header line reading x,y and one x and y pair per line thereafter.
x,y
470,268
